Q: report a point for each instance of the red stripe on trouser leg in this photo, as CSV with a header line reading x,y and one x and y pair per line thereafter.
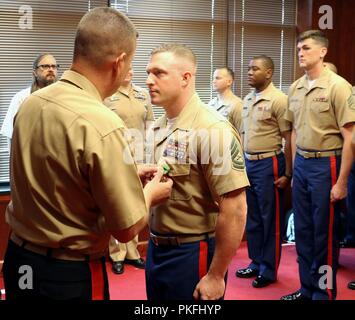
x,y
97,280
333,173
202,259
277,216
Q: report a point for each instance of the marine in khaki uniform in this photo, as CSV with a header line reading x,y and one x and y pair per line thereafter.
x,y
351,284
196,233
226,103
68,195
322,110
132,104
269,170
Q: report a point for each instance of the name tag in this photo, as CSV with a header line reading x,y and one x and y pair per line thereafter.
x,y
320,99
140,96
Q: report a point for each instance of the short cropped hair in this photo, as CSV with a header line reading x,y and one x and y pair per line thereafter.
x,y
267,61
316,35
178,49
229,71
103,33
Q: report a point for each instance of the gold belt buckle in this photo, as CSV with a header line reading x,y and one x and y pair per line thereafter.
x,y
306,155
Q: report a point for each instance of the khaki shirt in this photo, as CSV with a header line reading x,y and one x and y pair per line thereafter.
x,y
70,180
135,109
318,113
232,110
203,167
263,120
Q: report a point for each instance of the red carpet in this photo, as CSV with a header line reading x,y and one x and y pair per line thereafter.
x,y
131,284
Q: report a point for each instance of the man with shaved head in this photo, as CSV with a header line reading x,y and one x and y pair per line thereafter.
x,y
226,103
195,234
70,168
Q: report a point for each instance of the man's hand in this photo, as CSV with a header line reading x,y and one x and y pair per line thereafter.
x,y
158,190
338,192
282,182
209,288
146,173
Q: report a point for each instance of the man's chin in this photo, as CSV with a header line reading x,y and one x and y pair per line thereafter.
x,y
50,81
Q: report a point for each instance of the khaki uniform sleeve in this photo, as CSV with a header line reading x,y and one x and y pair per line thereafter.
x,y
288,115
114,181
280,107
343,101
235,115
225,170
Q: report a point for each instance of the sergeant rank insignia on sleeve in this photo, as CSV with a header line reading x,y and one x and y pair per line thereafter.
x,y
236,155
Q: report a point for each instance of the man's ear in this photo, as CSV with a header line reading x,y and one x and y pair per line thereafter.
x,y
323,52
120,62
269,74
186,76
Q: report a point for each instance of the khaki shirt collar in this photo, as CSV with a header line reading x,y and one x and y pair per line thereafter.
x,y
321,82
267,94
133,89
82,82
184,120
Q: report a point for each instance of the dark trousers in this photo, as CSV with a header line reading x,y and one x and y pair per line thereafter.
x,y
28,275
350,203
265,214
172,272
316,225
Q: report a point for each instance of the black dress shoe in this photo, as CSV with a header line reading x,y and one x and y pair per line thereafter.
x,y
351,285
295,296
138,263
261,282
246,273
117,267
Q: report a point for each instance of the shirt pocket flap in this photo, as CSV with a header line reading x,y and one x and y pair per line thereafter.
x,y
177,170
321,106
264,115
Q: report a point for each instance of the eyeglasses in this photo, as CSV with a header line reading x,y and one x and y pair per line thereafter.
x,y
48,66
